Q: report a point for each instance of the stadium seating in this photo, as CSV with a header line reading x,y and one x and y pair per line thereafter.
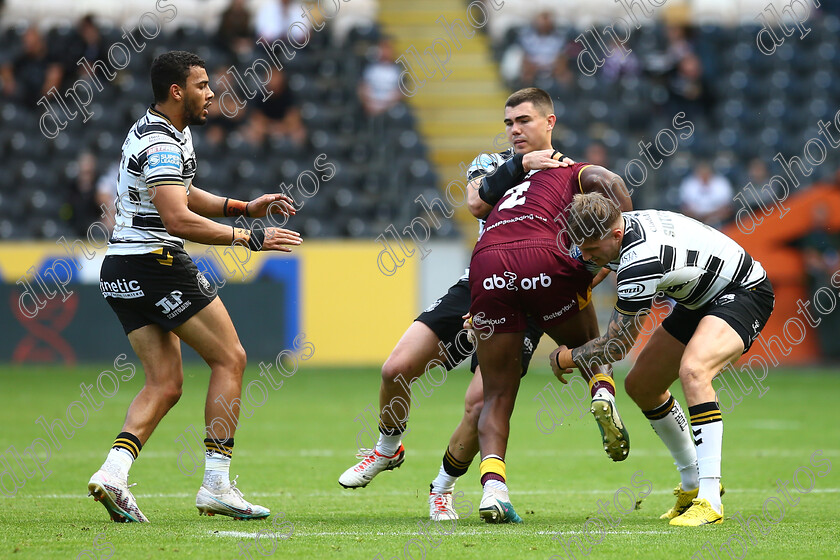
x,y
761,105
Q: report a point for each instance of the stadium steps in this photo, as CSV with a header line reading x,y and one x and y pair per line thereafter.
x,y
461,115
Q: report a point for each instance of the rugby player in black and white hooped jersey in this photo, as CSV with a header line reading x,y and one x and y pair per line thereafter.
x,y
437,334
723,300
161,298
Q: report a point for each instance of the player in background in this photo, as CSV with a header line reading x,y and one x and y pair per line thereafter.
x,y
161,298
723,300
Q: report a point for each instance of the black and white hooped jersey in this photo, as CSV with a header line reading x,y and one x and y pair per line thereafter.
x,y
686,260
154,153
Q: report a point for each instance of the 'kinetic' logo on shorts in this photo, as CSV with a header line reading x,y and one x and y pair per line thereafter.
x,y
122,288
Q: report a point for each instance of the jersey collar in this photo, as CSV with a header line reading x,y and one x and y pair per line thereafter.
x,y
158,115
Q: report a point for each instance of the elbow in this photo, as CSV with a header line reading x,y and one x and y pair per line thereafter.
x,y
174,226
478,208
626,204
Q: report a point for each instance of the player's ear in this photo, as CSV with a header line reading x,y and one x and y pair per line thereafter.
x,y
176,92
552,119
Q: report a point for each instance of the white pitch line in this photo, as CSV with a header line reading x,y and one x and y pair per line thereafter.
x,y
419,452
293,494
463,532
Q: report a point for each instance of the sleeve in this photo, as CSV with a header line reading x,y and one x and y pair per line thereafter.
x,y
637,284
163,164
485,164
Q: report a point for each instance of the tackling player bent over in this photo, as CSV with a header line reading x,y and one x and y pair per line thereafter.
x,y
723,300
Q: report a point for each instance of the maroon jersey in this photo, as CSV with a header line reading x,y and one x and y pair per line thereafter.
x,y
528,210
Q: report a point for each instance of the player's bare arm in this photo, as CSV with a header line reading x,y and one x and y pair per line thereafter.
x,y
172,204
598,278
595,178
480,203
619,338
210,205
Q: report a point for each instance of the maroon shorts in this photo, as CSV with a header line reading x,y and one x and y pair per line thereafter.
x,y
510,281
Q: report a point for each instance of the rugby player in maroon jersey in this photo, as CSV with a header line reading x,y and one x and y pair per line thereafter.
x,y
523,265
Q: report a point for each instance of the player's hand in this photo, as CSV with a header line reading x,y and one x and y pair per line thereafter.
x,y
468,326
279,239
279,203
545,159
561,362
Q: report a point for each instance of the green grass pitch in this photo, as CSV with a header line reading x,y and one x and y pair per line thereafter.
x,y
290,453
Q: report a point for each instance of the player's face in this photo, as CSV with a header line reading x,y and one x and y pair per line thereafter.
x,y
528,130
197,96
604,250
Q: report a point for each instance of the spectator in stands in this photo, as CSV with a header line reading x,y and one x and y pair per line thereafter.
x,y
543,49
758,176
619,65
278,116
106,193
688,90
679,45
82,206
236,32
379,89
275,20
596,154
33,72
821,256
706,196
87,42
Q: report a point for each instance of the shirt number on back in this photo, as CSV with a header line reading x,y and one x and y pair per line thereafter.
x,y
515,196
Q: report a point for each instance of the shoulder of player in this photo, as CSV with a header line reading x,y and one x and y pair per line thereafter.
x,y
485,162
637,248
155,143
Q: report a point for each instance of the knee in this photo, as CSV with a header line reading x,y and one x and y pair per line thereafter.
x,y
499,402
632,387
173,393
239,358
169,393
235,359
396,367
692,373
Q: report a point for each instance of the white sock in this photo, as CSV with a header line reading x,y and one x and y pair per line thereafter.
x,y
444,482
709,438
669,423
388,445
216,471
118,462
494,484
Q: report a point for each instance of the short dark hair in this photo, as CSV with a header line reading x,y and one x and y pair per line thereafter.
x,y
539,97
169,68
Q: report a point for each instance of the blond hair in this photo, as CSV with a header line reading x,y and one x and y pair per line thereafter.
x,y
591,216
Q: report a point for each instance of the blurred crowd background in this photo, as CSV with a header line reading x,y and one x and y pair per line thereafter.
x,y
341,95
